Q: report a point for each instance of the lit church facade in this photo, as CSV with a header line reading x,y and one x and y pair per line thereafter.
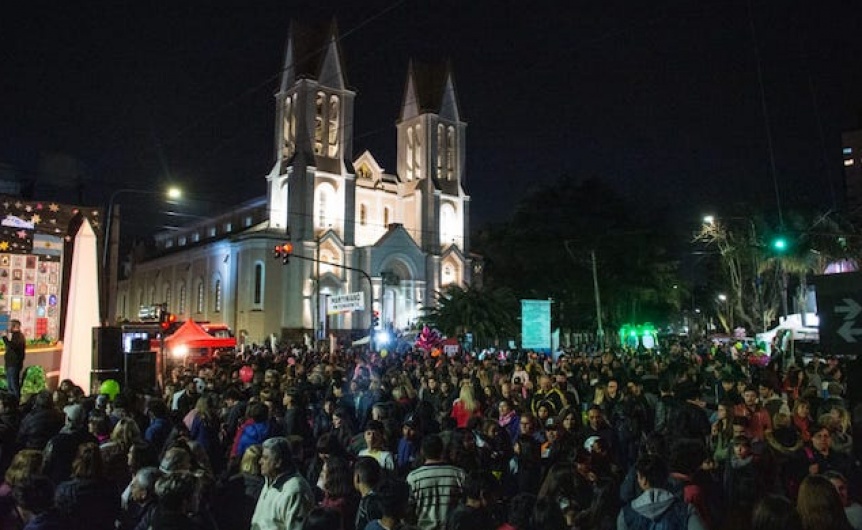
x,y
404,232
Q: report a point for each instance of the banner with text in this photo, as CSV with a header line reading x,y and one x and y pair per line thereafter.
x,y
344,303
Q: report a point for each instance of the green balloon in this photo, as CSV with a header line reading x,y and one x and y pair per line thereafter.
x,y
111,388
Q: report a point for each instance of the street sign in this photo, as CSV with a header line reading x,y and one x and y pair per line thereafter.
x,y
344,303
839,306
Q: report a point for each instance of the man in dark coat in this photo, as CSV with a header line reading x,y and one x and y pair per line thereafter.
x,y
62,448
40,424
16,346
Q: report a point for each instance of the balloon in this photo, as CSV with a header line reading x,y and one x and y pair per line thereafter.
x,y
111,388
246,374
384,353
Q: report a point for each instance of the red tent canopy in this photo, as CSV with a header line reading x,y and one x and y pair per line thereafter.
x,y
192,335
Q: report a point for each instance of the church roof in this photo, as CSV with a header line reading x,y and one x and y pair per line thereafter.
x,y
310,45
430,83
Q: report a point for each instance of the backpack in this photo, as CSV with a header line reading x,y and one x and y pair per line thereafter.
x,y
674,518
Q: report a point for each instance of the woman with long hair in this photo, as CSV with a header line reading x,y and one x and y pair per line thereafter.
x,y
722,432
115,451
793,384
525,467
801,419
89,500
25,463
775,512
840,425
466,406
560,486
338,491
820,506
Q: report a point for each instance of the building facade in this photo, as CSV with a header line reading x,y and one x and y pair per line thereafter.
x,y
398,237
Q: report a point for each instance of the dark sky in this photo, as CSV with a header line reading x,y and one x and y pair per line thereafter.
x,y
662,100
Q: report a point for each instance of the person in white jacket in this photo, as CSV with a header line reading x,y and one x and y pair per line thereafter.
x,y
286,497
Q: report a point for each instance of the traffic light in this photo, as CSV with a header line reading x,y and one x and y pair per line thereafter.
x,y
166,320
375,319
779,244
283,251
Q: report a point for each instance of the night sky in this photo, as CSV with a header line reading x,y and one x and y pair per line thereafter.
x,y
661,99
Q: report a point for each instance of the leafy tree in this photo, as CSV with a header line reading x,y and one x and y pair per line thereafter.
x,y
544,251
489,314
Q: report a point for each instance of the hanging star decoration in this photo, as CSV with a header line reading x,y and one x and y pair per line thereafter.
x,y
36,219
4,245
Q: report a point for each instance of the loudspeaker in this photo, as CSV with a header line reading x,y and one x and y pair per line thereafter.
x,y
107,348
141,371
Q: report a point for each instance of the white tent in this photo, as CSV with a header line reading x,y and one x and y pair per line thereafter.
x,y
82,312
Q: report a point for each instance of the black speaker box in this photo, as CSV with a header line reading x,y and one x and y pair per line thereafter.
x,y
141,371
107,348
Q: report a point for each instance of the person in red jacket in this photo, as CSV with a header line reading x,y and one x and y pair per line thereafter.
x,y
466,406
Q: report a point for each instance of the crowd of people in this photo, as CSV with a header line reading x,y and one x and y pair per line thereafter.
x,y
693,437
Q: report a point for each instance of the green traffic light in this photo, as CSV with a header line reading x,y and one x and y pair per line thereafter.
x,y
779,244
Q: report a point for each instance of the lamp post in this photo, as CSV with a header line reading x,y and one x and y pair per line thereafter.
x,y
111,245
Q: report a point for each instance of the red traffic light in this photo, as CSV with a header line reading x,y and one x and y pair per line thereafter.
x,y
167,320
283,251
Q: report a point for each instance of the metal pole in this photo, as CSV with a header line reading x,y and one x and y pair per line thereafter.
x,y
363,273
600,332
318,327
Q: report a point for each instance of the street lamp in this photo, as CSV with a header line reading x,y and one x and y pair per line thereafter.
x,y
111,243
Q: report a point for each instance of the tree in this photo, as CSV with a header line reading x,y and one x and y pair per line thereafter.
x,y
636,274
490,315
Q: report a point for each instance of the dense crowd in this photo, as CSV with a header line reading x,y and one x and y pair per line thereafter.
x,y
695,437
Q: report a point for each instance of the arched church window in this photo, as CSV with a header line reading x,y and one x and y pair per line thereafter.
x,y
153,295
327,206
448,224
319,110
417,151
200,296
363,215
321,208
181,307
441,148
287,128
166,295
386,217
333,126
257,297
448,274
141,298
409,157
326,261
450,153
217,296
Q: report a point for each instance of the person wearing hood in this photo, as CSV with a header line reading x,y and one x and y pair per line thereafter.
x,y
656,504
